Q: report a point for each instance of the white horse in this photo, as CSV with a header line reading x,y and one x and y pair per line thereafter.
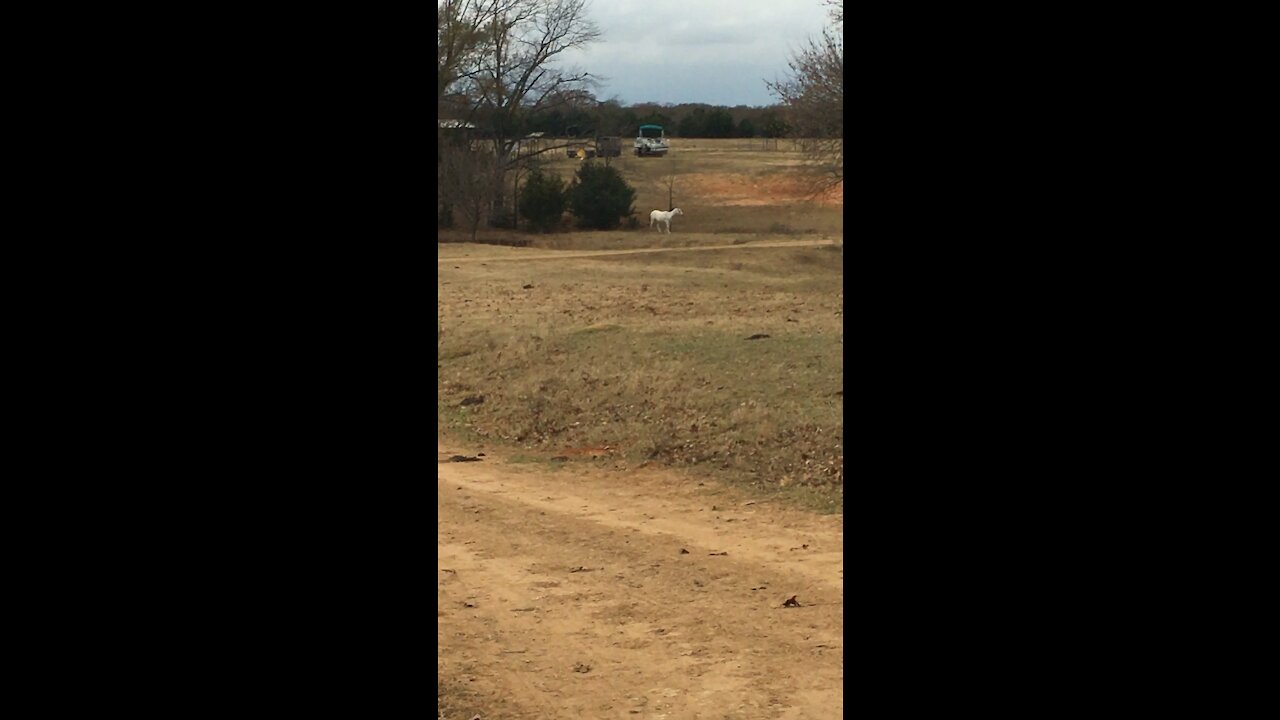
x,y
663,217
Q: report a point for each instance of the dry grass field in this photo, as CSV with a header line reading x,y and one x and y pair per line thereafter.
x,y
647,353
648,423
725,188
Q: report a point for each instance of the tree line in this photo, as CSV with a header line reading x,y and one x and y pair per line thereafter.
x,y
498,74
594,118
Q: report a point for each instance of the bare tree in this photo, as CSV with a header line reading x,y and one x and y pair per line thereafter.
x,y
512,74
836,10
813,96
467,183
458,24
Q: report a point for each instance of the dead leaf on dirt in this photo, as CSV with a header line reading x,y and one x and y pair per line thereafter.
x,y
802,547
791,602
526,287
719,553
472,400
581,667
463,458
579,568
683,551
758,336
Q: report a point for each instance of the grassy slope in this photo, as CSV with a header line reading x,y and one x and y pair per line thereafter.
x,y
648,354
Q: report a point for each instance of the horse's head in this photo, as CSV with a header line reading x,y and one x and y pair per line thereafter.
x,y
677,211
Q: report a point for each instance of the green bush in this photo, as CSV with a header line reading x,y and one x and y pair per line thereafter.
x,y
600,198
543,200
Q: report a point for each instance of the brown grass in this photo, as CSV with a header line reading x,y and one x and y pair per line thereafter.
x,y
646,353
721,185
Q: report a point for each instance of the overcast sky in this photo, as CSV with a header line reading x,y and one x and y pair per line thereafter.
x,y
718,52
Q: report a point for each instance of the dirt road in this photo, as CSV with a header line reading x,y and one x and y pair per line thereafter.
x,y
526,254
589,591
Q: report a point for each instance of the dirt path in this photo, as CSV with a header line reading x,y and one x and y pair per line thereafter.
x,y
564,594
563,254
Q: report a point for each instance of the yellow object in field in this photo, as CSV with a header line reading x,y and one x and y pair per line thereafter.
x,y
582,153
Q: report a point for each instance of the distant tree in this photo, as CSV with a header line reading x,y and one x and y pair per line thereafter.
x,y
578,122
543,201
630,123
609,118
551,123
599,197
694,124
657,118
468,182
774,126
719,124
746,128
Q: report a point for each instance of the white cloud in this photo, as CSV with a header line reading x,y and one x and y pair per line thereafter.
x,y
713,51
